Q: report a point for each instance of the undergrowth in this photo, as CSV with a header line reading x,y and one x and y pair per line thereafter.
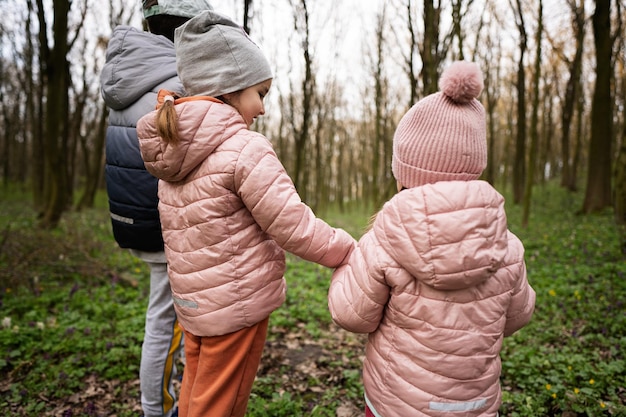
x,y
72,306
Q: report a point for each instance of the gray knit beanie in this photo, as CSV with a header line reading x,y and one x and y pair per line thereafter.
x,y
215,56
443,136
182,8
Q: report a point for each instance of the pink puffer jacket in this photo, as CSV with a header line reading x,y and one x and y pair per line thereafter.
x,y
437,282
228,209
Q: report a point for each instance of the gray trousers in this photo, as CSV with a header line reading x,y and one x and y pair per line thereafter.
x,y
162,341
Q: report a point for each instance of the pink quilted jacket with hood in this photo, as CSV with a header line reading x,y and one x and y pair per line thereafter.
x,y
228,211
437,282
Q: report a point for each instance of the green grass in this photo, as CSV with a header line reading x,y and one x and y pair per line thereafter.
x,y
570,359
72,305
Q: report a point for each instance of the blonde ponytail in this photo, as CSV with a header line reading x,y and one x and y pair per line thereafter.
x,y
167,120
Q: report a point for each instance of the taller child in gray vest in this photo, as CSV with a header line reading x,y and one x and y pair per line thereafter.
x,y
138,64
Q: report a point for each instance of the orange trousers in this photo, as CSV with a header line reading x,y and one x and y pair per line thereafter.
x,y
219,372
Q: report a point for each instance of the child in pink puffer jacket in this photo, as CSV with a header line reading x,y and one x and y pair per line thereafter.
x,y
228,211
438,281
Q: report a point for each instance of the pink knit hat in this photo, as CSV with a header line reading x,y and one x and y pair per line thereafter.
x,y
442,137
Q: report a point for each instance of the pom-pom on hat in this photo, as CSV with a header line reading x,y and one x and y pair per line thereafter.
x,y
215,56
443,137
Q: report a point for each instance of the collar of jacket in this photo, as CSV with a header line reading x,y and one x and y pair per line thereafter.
x,y
164,95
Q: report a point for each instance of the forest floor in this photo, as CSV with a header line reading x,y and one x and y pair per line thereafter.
x,y
72,307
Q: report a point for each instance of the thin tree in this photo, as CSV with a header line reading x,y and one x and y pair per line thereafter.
x,y
327,125
432,50
282,144
581,126
382,187
534,124
491,99
620,177
89,125
55,68
489,57
301,130
458,13
598,189
78,101
247,15
620,165
409,63
9,120
14,98
317,186
519,163
35,90
548,161
577,8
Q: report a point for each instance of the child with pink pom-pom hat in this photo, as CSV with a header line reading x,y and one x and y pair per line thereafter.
x,y
438,280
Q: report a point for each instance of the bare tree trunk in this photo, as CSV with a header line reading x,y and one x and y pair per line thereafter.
x,y
326,175
598,191
247,17
382,139
548,165
519,163
94,161
282,146
20,129
410,57
457,29
81,137
35,111
580,135
430,47
348,170
620,191
510,144
301,19
317,187
9,120
492,76
568,180
76,137
620,163
56,116
534,124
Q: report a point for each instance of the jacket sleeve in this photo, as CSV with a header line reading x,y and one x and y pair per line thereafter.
x,y
522,303
268,192
358,292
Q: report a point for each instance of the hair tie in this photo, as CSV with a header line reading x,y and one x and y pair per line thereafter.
x,y
164,96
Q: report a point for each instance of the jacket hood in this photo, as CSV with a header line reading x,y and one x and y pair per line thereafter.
x,y
136,62
449,235
203,125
